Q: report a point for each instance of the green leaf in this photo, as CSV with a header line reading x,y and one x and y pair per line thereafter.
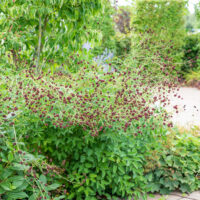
x,y
114,169
93,175
10,157
33,196
6,173
17,181
60,197
43,179
17,195
22,187
2,191
185,188
6,186
19,167
53,186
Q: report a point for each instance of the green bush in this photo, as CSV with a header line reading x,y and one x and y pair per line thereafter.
x,y
110,165
103,25
98,126
23,175
159,31
191,53
178,167
193,78
123,44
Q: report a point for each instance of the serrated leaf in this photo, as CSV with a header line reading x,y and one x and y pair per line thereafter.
x,y
19,167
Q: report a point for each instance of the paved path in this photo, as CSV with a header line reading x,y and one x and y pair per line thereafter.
x,y
189,107
188,116
177,196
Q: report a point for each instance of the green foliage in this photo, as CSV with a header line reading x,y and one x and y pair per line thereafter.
x,y
193,76
110,165
103,24
22,175
159,25
191,22
197,10
123,45
101,129
42,30
191,53
83,123
178,167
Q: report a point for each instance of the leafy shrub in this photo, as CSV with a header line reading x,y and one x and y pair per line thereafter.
x,y
87,122
23,175
110,165
159,26
123,44
193,78
177,167
100,127
107,166
191,53
103,25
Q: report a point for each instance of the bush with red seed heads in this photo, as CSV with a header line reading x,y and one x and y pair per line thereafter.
x,y
93,123
29,175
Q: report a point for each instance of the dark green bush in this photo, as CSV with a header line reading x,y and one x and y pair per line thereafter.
x,y
110,165
191,53
23,175
123,44
178,167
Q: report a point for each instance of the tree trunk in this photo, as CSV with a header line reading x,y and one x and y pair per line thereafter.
x,y
39,43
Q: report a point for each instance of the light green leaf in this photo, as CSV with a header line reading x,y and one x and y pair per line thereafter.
x,y
17,195
53,186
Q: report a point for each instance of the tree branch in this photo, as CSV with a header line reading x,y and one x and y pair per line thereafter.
x,y
39,43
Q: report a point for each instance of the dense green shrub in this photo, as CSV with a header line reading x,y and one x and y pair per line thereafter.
x,y
178,166
193,78
23,175
88,122
111,164
102,129
123,45
191,53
